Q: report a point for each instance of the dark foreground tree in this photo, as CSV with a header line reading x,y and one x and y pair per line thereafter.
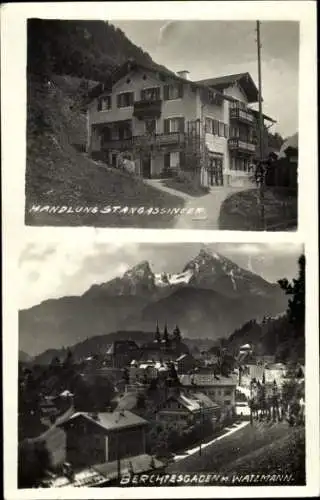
x,y
296,289
33,462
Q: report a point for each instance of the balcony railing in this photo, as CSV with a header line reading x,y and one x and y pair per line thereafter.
x,y
241,115
117,144
147,109
237,144
159,139
174,138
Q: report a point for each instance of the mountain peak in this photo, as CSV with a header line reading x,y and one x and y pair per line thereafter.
x,y
141,269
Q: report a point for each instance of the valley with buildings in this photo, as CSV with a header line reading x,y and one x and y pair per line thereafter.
x,y
159,401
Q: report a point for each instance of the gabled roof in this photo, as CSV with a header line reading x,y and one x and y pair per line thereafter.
x,y
244,79
180,358
266,117
109,420
130,65
194,402
207,379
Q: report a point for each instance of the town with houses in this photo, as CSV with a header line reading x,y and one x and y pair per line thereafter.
x,y
168,405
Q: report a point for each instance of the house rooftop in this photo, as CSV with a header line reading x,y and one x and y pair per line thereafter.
x,y
207,379
129,65
181,357
195,402
243,79
109,420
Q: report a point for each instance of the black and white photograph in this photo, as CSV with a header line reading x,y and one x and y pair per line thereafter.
x,y
161,365
179,124
160,273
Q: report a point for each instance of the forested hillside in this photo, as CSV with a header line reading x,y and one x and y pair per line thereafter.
x,y
86,49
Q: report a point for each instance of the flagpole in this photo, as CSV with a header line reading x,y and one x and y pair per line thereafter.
x,y
262,173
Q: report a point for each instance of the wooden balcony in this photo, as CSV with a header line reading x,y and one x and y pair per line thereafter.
x,y
242,115
157,140
117,144
241,146
147,109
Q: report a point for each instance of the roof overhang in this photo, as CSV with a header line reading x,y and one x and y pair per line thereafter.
x,y
163,73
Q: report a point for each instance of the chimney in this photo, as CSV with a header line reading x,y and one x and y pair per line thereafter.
x,y
184,74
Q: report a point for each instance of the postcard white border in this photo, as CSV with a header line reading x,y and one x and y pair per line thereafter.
x,y
13,97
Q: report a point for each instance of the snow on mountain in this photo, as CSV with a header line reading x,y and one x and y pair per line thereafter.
x,y
165,279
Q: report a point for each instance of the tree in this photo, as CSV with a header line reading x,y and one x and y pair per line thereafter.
x,y
296,304
33,462
177,335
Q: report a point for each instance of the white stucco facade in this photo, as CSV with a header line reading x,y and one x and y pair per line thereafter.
x,y
190,107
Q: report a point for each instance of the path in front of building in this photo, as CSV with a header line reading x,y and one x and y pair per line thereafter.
x,y
210,205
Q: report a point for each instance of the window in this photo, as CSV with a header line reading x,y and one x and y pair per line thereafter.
x,y
239,164
215,127
104,103
174,159
221,129
226,131
235,132
209,126
171,125
150,126
152,94
228,392
125,99
173,91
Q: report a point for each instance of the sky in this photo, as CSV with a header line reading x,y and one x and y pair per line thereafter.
x,y
214,48
63,267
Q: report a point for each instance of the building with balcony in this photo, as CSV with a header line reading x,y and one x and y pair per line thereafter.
x,y
221,390
164,122
184,410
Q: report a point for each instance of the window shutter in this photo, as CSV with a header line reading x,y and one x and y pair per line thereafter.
x,y
181,125
167,160
208,126
99,104
131,98
182,159
166,126
180,87
166,92
119,101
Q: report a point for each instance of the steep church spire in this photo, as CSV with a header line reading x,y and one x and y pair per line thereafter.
x,y
165,333
157,335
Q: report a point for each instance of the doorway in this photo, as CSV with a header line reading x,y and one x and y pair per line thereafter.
x,y
146,166
150,126
215,172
